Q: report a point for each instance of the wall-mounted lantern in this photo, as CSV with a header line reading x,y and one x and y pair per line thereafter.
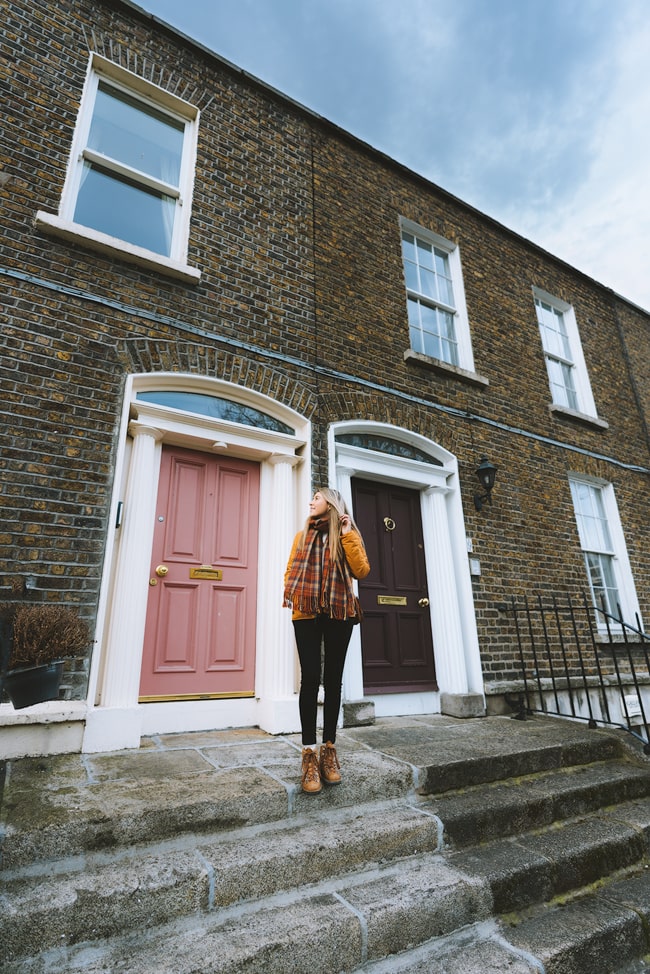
x,y
486,473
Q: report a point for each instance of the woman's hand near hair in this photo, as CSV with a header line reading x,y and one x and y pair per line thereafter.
x,y
345,522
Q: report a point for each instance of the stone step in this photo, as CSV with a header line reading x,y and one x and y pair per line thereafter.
x,y
331,927
595,933
482,812
457,756
107,893
475,949
391,920
540,866
144,886
209,858
640,966
65,805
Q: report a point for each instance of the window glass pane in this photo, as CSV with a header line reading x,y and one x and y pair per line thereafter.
x,y
386,444
428,283
601,580
413,308
445,291
561,380
408,246
429,319
416,339
217,408
554,334
432,346
136,134
411,276
425,254
590,515
124,209
596,544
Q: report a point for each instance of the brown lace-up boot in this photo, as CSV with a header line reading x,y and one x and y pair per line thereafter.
x,y
329,765
311,782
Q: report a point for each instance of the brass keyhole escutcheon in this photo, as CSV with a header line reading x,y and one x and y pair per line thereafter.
x,y
389,524
423,603
161,571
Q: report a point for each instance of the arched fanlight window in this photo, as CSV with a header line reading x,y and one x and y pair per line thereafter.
x,y
216,408
386,444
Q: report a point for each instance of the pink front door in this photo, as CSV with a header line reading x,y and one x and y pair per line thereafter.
x,y
201,615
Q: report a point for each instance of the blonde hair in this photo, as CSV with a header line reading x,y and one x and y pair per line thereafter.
x,y
336,508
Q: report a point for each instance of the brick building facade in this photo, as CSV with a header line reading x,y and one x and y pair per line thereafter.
x,y
276,296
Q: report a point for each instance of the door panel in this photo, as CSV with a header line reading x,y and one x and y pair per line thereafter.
x,y
201,614
396,640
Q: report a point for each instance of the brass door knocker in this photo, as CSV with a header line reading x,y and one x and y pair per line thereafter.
x,y
389,524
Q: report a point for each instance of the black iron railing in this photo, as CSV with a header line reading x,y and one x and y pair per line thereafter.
x,y
583,662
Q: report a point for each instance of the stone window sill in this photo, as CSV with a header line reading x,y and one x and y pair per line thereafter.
x,y
74,233
562,412
444,368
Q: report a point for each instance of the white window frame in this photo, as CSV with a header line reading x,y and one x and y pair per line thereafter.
x,y
585,400
100,68
620,561
461,320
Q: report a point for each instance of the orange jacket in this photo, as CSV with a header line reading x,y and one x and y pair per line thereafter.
x,y
355,555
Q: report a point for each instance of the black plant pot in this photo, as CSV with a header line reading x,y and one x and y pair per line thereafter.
x,y
34,684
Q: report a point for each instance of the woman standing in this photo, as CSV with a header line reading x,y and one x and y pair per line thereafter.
x,y
318,586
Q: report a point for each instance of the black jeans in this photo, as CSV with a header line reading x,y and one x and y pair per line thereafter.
x,y
335,636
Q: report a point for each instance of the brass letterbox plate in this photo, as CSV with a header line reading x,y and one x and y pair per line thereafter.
x,y
206,571
392,600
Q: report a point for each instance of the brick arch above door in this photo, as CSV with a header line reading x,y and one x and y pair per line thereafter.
x,y
191,358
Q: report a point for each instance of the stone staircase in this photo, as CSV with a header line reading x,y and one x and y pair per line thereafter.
x,y
461,847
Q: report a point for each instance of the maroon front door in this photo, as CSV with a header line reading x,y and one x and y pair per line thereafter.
x,y
396,641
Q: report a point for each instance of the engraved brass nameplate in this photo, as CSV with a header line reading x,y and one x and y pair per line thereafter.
x,y
392,600
206,571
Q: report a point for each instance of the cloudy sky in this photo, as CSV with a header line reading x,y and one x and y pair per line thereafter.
x,y
534,111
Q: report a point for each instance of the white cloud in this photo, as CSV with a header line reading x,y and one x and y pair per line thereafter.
x,y
533,111
604,228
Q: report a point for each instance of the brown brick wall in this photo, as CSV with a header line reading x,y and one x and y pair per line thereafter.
x,y
295,228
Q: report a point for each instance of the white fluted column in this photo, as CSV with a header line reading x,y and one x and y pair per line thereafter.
x,y
445,610
114,724
275,671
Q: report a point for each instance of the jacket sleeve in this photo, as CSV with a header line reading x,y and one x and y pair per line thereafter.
x,y
355,554
294,548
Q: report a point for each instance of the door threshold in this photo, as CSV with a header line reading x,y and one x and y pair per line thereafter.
x,y
234,695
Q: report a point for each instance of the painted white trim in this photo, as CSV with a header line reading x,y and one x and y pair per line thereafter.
x,y
455,636
115,719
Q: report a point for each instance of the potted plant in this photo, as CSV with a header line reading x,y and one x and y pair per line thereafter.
x,y
41,637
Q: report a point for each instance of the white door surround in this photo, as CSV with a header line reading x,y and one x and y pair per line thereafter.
x,y
115,719
453,621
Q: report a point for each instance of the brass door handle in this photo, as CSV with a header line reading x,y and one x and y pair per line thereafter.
x,y
423,603
161,571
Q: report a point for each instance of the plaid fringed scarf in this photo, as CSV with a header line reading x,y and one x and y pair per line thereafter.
x,y
316,585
